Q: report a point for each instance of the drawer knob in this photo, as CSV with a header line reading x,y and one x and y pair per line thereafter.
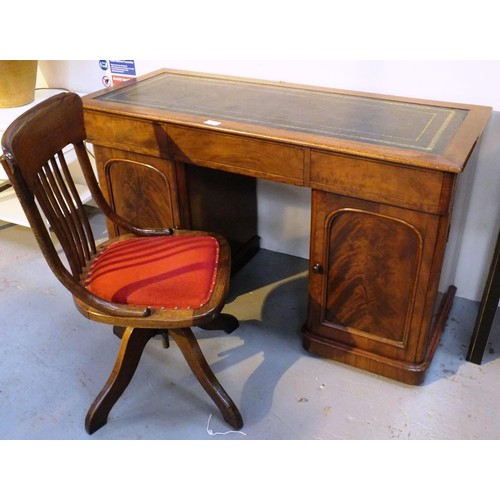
x,y
317,268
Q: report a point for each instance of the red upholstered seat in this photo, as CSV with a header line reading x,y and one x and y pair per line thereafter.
x,y
174,272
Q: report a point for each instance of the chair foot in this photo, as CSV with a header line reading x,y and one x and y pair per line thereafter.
x,y
190,348
132,345
225,322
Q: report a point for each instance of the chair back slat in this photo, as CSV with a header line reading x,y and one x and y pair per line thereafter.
x,y
69,207
61,205
81,219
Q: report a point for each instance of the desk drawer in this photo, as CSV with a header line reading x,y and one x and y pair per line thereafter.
x,y
128,134
382,182
243,155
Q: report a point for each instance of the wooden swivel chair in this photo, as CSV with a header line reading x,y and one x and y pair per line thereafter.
x,y
148,282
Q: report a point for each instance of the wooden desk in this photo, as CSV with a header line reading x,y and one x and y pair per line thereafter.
x,y
383,172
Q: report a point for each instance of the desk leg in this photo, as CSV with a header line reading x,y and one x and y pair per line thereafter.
x,y
487,310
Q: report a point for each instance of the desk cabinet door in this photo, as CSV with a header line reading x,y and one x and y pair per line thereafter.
x,y
141,188
372,282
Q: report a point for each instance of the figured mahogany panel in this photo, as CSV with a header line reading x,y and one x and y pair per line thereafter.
x,y
373,285
373,265
140,188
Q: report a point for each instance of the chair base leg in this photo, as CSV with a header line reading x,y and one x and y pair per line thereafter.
x,y
225,322
190,348
133,342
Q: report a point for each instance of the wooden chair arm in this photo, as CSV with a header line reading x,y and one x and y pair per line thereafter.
x,y
71,283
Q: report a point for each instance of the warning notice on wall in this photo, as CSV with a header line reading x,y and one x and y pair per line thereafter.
x,y
117,71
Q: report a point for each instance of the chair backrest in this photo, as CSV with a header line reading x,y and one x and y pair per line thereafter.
x,y
34,158
34,148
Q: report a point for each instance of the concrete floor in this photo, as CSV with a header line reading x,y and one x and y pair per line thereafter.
x,y
53,362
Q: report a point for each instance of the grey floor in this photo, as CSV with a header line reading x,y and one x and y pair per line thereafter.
x,y
53,362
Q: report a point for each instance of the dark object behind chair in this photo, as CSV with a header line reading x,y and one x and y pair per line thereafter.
x,y
120,282
487,310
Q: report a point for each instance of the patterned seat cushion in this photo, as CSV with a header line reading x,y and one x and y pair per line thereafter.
x,y
174,272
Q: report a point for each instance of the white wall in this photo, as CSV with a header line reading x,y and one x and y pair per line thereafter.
x,y
285,226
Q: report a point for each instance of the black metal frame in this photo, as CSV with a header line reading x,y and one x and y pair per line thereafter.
x,y
487,310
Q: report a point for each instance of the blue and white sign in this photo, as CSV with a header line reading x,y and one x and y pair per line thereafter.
x,y
125,67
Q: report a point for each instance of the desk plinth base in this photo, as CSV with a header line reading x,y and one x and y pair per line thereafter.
x,y
408,373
